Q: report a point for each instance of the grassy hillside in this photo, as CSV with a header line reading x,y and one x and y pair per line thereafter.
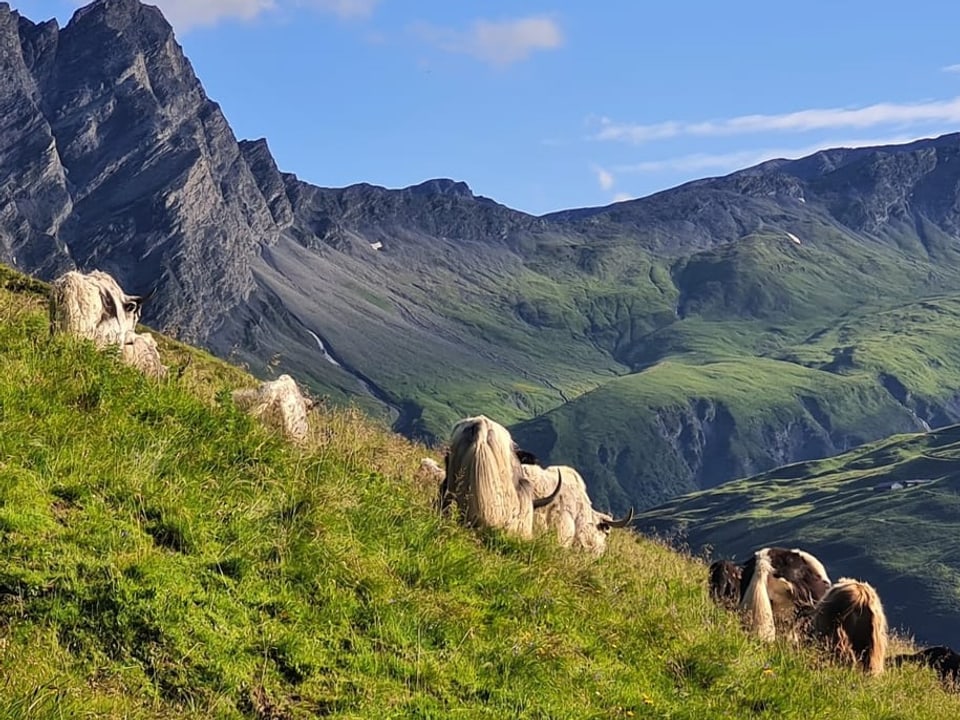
x,y
903,540
732,399
758,335
163,556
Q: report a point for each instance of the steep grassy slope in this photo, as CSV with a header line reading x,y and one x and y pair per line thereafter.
x,y
902,540
710,411
162,556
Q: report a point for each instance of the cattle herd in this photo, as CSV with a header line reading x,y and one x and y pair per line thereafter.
x,y
787,594
778,592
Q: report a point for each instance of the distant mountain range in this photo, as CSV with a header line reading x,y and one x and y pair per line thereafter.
x,y
781,313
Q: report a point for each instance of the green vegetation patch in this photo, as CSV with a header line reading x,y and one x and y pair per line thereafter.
x,y
162,555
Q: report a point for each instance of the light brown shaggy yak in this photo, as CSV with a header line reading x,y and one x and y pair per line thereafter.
x,y
850,620
483,478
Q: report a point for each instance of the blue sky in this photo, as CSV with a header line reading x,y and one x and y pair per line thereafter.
x,y
550,105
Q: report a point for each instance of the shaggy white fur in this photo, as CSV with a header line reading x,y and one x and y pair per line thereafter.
x,y
571,515
483,477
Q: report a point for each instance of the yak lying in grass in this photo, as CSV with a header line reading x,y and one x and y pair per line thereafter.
x,y
279,404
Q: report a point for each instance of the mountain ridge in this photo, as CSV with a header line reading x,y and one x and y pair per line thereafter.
x,y
428,303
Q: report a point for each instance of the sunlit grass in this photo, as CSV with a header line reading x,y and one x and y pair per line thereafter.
x,y
161,555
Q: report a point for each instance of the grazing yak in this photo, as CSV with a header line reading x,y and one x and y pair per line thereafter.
x,y
94,306
571,515
939,657
850,620
725,583
484,479
776,585
279,404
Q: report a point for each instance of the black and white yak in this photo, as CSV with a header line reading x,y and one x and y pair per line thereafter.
x,y
851,622
483,477
778,585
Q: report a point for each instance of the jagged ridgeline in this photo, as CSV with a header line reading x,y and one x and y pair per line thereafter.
x,y
660,345
163,555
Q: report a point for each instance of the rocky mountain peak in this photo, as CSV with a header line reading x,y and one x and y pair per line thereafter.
x,y
442,186
121,14
116,155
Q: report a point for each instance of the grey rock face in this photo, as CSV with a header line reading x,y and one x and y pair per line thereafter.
x,y
34,197
269,180
113,157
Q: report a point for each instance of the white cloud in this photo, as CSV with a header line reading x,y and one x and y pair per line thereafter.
x,y
951,68
604,177
622,197
498,43
899,114
187,14
728,162
344,9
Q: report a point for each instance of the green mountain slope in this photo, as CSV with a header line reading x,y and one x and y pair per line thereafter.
x,y
847,510
710,411
163,556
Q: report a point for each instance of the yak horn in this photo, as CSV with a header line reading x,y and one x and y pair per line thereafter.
x,y
621,523
149,296
541,502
